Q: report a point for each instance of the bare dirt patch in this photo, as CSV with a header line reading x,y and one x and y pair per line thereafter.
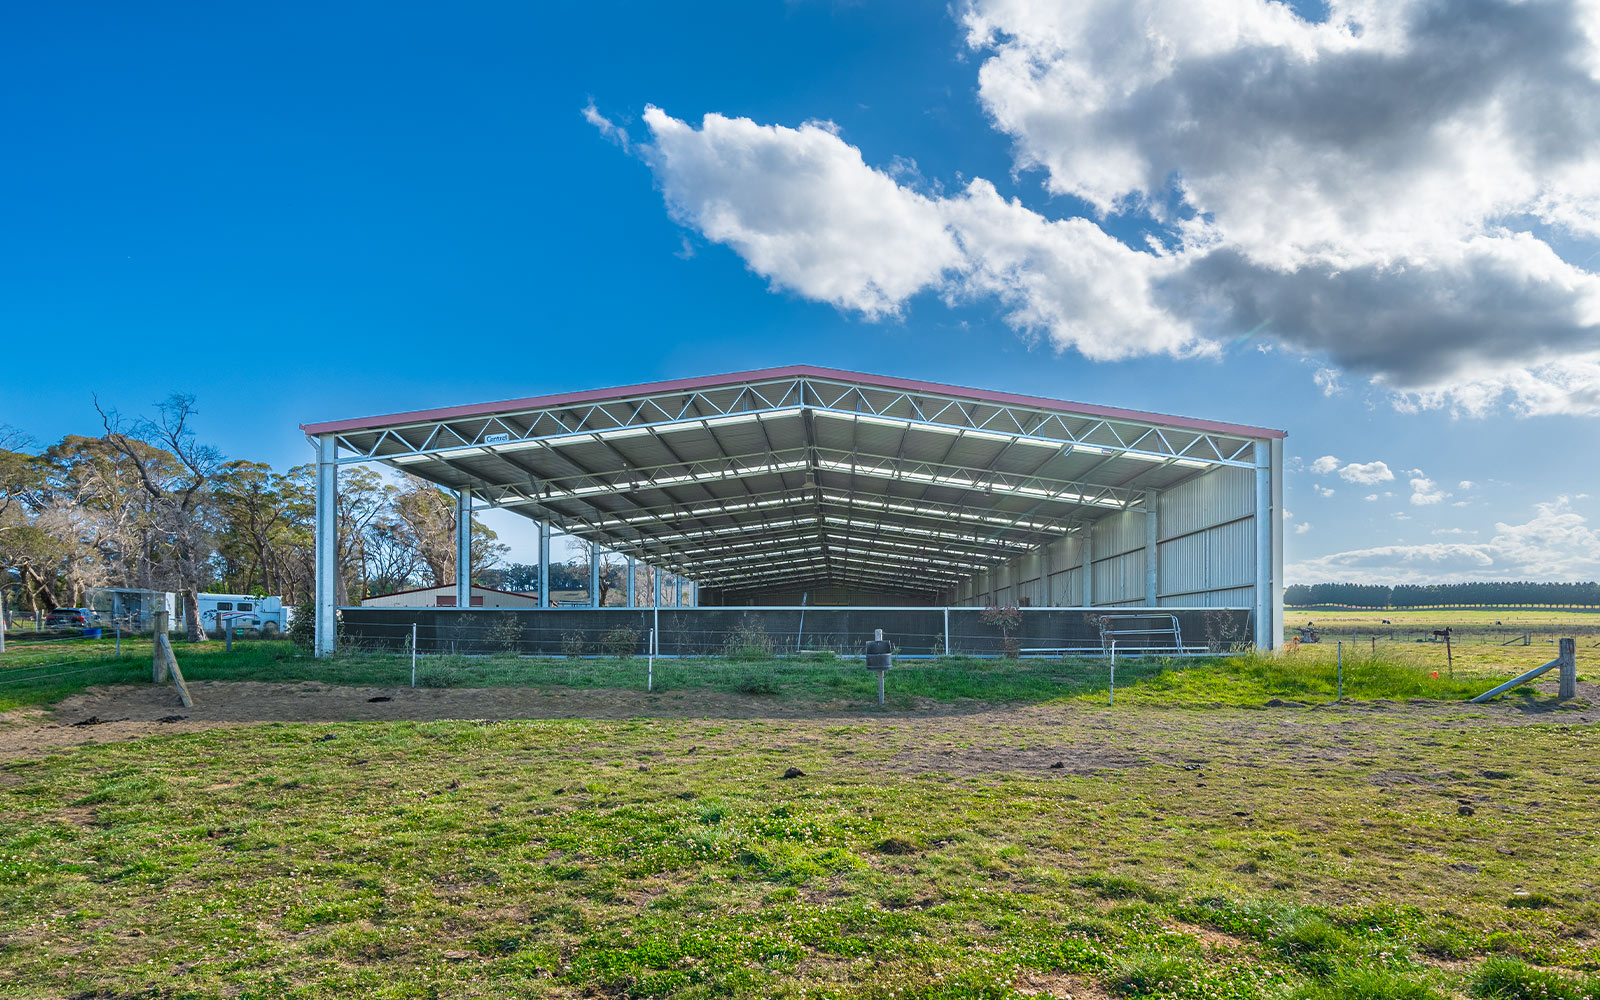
x,y
1067,987
958,738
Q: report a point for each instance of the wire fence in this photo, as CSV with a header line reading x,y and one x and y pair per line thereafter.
x,y
747,632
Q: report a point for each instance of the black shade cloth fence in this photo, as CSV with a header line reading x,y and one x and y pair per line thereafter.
x,y
712,631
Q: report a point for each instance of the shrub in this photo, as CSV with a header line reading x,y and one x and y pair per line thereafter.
x,y
572,644
1007,621
506,634
748,641
620,642
303,630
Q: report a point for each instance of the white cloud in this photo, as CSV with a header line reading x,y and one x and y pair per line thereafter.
x,y
1366,473
1425,491
1321,491
1324,465
1354,188
1387,191
607,127
805,211
1557,543
1370,497
1466,484
802,209
1302,527
1452,531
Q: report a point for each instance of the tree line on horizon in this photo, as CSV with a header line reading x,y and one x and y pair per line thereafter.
x,y
145,504
1414,595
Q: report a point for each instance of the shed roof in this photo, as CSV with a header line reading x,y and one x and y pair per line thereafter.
x,y
803,475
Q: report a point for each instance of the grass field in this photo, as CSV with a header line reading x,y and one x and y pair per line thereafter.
x,y
996,831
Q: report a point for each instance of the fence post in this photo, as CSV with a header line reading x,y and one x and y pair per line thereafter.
x,y
650,664
1341,671
1569,668
1449,658
1113,699
413,654
947,650
2,621
227,633
158,628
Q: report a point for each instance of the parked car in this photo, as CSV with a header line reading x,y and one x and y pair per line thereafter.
x,y
70,618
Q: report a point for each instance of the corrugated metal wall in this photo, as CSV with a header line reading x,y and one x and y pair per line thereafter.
x,y
1205,554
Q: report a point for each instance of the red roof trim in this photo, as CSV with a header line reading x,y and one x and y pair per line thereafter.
x,y
791,371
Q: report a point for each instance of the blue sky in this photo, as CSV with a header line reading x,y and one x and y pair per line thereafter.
x,y
299,213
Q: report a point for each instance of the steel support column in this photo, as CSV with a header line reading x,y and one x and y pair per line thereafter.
x,y
544,564
1088,566
463,548
1152,576
677,592
594,574
655,572
633,571
1265,515
1277,542
327,542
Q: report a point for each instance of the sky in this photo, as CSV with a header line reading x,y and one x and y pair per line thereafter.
x,y
1375,225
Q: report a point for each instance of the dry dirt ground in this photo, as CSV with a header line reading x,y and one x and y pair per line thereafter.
x,y
953,737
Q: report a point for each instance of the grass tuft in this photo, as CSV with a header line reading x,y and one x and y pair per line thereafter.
x,y
1506,978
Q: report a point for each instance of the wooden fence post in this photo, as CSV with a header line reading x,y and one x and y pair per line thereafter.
x,y
1569,668
158,631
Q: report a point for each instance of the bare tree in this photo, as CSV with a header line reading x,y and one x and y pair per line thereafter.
x,y
180,491
612,572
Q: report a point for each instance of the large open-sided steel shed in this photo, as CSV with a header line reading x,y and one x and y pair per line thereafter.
x,y
769,487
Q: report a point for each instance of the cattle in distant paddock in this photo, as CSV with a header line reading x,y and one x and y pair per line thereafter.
x,y
1387,622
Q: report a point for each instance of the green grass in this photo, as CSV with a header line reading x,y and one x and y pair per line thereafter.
x,y
47,672
670,858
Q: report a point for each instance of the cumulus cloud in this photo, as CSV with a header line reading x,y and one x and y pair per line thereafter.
x,y
1302,527
1359,188
803,209
1465,484
1321,491
1324,465
1557,543
1388,191
1366,473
